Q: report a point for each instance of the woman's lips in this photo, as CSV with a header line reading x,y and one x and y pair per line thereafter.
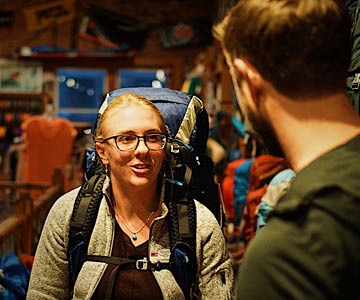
x,y
141,168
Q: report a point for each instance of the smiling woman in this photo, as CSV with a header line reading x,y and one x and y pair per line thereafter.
x,y
134,166
130,125
133,222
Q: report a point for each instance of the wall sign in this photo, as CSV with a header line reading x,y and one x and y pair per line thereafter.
x,y
45,15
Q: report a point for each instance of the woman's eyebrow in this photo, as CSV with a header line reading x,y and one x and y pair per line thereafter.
x,y
153,130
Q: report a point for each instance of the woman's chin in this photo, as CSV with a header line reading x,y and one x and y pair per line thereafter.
x,y
140,182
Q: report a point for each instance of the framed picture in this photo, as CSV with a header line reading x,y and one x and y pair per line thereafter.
x,y
20,77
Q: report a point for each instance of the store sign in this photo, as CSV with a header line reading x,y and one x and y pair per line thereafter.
x,y
45,15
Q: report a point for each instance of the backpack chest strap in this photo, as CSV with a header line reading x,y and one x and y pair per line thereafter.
x,y
124,264
127,263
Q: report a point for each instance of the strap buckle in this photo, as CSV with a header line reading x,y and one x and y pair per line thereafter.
x,y
355,85
142,264
175,148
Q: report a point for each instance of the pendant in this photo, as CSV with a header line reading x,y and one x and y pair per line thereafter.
x,y
134,237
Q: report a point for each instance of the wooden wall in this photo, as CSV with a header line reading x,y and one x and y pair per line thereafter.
x,y
154,13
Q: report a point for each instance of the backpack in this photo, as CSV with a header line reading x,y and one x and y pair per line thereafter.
x,y
353,79
189,176
14,278
227,187
241,188
263,168
278,185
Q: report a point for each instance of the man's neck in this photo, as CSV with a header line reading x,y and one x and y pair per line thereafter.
x,y
308,129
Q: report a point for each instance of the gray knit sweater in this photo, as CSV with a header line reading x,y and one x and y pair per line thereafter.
x,y
50,273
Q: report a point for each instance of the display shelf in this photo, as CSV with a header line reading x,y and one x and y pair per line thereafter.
x,y
14,109
79,54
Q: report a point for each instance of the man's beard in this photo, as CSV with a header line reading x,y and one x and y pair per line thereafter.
x,y
262,131
259,128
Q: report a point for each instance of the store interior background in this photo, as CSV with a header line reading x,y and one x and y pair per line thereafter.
x,y
52,43
57,44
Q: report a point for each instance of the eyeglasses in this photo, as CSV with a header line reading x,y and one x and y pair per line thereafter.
x,y
129,142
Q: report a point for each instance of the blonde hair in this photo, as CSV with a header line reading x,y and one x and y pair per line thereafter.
x,y
122,101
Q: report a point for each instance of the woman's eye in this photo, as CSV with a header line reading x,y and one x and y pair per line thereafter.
x,y
151,138
154,138
127,138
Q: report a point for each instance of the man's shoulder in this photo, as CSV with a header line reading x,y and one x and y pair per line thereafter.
x,y
334,173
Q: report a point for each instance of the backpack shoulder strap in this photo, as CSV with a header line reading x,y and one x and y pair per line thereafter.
x,y
82,222
355,34
353,80
182,231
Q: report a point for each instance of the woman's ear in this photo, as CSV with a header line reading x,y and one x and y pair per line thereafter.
x,y
100,149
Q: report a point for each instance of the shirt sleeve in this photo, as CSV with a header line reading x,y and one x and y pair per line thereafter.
x,y
289,260
50,274
216,277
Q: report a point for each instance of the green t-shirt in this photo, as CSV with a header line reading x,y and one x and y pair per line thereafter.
x,y
310,249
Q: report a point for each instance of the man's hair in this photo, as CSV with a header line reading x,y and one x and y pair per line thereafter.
x,y
303,47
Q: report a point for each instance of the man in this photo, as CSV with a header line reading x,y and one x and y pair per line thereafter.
x,y
288,60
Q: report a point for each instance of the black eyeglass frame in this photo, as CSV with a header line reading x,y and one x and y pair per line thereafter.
x,y
163,135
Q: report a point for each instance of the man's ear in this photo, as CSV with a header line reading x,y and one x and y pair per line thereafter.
x,y
251,76
100,149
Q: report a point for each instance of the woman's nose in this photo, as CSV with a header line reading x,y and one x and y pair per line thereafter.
x,y
141,145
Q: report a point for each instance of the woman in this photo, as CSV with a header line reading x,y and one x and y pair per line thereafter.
x,y
130,141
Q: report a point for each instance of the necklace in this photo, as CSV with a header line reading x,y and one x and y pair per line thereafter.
x,y
134,236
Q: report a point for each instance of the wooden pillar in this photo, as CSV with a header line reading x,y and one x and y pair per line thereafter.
x,y
25,208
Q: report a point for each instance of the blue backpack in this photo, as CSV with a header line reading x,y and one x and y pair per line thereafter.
x,y
189,176
14,278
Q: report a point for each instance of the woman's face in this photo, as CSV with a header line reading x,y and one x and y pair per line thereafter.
x,y
137,168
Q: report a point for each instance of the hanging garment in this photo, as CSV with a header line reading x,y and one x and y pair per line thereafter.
x,y
262,170
241,188
228,188
49,145
276,188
